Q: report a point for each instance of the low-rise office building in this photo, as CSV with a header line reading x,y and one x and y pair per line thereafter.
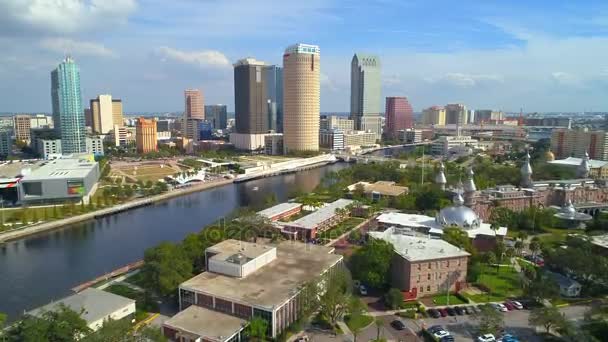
x,y
445,144
307,227
273,144
245,280
422,266
60,180
97,306
281,211
379,189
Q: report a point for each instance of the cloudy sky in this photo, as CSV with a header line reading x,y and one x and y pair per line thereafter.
x,y
542,55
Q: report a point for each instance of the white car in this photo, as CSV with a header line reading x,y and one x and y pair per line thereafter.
x,y
500,307
438,335
486,338
362,290
516,305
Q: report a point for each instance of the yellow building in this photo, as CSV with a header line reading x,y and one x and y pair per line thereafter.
x,y
301,97
105,114
145,135
434,116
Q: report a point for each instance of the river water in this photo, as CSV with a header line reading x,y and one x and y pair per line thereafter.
x,y
42,268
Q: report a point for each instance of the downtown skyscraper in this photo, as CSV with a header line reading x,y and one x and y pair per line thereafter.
x,y
365,93
68,114
274,96
301,97
399,115
250,97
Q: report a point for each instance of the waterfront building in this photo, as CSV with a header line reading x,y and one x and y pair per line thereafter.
x,y
336,122
399,115
379,190
281,211
434,115
245,280
423,266
576,142
95,307
456,113
365,93
274,97
332,139
145,135
68,114
356,139
217,115
106,112
301,97
307,227
273,144
193,103
22,128
60,180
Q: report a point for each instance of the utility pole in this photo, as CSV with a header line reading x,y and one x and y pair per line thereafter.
x,y
422,175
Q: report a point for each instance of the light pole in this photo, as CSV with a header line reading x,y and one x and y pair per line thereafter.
x,y
2,204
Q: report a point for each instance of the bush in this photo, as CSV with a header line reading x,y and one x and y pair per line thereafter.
x,y
408,314
393,298
461,297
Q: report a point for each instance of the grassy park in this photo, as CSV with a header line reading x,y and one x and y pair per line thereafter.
x,y
503,282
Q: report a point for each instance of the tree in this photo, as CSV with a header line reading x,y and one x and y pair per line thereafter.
x,y
534,246
371,263
393,298
459,238
547,317
490,320
62,324
334,302
257,328
165,267
356,308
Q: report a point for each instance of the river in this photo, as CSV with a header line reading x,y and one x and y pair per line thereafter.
x,y
42,268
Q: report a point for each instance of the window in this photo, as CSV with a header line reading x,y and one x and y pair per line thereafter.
x,y
429,276
418,267
428,288
459,262
448,262
421,289
429,265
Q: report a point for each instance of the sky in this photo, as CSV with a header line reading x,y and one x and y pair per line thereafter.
x,y
539,55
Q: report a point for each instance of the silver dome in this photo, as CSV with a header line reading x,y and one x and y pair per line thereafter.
x,y
458,216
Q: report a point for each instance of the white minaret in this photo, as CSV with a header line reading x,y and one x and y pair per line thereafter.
x,y
469,184
584,168
440,177
526,173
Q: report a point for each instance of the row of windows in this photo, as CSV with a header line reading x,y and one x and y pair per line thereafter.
x,y
444,263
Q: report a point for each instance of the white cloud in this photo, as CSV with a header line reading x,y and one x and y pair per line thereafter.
x,y
69,46
466,80
64,16
202,59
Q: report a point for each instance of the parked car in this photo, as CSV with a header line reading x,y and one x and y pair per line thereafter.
x,y
302,339
363,290
434,313
516,304
509,306
507,338
459,310
500,307
469,310
438,332
397,324
443,312
486,338
477,308
448,338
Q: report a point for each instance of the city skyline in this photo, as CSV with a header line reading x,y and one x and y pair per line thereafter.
x,y
502,56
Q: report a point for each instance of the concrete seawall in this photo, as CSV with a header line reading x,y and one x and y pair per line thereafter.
x,y
57,224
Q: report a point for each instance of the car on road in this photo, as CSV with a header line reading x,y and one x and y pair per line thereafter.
x,y
363,290
459,310
469,310
434,313
517,305
509,306
486,338
443,312
500,307
448,338
302,339
397,325
475,308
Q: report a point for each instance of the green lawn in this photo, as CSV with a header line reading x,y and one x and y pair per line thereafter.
x,y
503,283
358,322
341,228
443,300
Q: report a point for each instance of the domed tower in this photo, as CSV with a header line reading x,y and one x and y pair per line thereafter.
x,y
584,168
440,177
469,188
526,173
458,216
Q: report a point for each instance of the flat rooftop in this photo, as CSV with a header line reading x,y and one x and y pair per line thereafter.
x,y
571,161
297,263
238,252
96,304
13,169
279,209
61,168
313,219
426,222
193,319
414,248
381,187
600,240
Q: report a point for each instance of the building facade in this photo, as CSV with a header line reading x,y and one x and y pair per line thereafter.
x,y
332,139
217,115
273,144
6,141
301,97
434,115
193,104
576,142
399,115
22,128
106,112
456,113
365,93
145,135
336,122
274,97
488,115
250,97
68,114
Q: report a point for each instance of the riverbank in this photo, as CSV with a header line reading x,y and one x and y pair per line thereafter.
x,y
48,226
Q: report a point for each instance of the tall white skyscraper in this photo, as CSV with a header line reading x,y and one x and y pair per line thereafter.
x,y
365,101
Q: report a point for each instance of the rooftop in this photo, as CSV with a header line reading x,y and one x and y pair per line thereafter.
x,y
427,222
61,168
238,252
312,220
414,248
382,187
296,264
96,304
571,161
279,209
223,327
600,240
